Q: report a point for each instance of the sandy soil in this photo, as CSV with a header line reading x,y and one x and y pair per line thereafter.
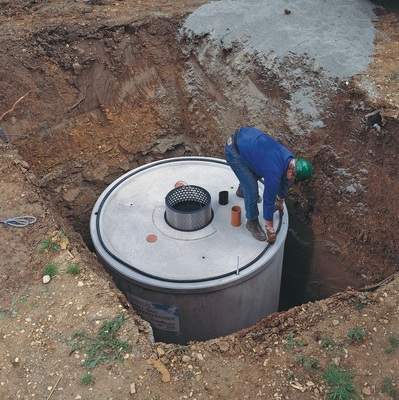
x,y
87,118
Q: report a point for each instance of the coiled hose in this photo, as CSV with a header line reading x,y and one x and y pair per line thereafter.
x,y
18,222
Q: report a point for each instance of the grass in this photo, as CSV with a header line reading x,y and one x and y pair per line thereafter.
x,y
393,344
389,389
191,376
47,244
104,346
393,77
292,341
87,380
331,346
290,377
50,269
55,241
341,384
327,343
356,335
12,311
310,363
73,269
360,304
8,313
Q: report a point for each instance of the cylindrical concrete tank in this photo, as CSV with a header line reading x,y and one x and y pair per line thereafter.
x,y
189,285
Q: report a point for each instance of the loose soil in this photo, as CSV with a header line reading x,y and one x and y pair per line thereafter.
x,y
108,87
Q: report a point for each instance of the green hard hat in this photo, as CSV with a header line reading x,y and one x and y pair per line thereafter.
x,y
303,170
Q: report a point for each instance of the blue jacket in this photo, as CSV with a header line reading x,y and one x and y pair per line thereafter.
x,y
268,159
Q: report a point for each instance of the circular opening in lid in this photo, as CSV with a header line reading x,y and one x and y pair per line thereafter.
x,y
188,208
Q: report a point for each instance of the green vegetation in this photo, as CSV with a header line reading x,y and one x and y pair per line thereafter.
x,y
51,269
330,345
73,269
47,244
8,313
290,376
356,335
393,344
361,304
292,341
12,311
191,376
104,346
341,384
87,380
55,241
310,363
389,388
393,77
327,343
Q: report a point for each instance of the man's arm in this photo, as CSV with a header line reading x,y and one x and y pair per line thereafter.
x,y
270,232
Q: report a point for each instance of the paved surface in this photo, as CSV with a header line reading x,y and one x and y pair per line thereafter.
x,y
337,36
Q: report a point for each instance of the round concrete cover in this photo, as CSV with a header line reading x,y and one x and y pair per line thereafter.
x,y
132,210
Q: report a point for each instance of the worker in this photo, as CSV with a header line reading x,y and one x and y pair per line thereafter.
x,y
253,155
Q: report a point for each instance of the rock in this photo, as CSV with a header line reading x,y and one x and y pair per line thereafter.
x,y
160,352
46,279
77,68
366,391
224,346
335,322
336,361
297,385
198,356
165,360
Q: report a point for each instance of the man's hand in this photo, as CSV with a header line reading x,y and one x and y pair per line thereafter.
x,y
279,206
271,235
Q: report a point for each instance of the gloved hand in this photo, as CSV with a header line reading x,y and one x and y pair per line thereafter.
x,y
271,235
279,206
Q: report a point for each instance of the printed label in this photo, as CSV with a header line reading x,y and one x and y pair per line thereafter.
x,y
160,316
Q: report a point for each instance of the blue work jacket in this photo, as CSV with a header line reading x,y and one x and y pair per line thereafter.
x,y
268,159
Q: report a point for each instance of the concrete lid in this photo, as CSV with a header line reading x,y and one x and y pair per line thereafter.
x,y
132,210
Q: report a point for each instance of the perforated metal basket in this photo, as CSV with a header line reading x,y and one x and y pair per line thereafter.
x,y
188,208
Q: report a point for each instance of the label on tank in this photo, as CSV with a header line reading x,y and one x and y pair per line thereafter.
x,y
160,316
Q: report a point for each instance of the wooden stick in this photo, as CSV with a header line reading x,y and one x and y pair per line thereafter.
x,y
77,103
52,391
13,107
379,284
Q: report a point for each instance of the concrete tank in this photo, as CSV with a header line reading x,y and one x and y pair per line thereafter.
x,y
188,284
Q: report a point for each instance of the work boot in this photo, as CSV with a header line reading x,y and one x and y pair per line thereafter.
x,y
257,232
240,193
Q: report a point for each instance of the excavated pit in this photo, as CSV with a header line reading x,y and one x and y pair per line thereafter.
x,y
121,96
